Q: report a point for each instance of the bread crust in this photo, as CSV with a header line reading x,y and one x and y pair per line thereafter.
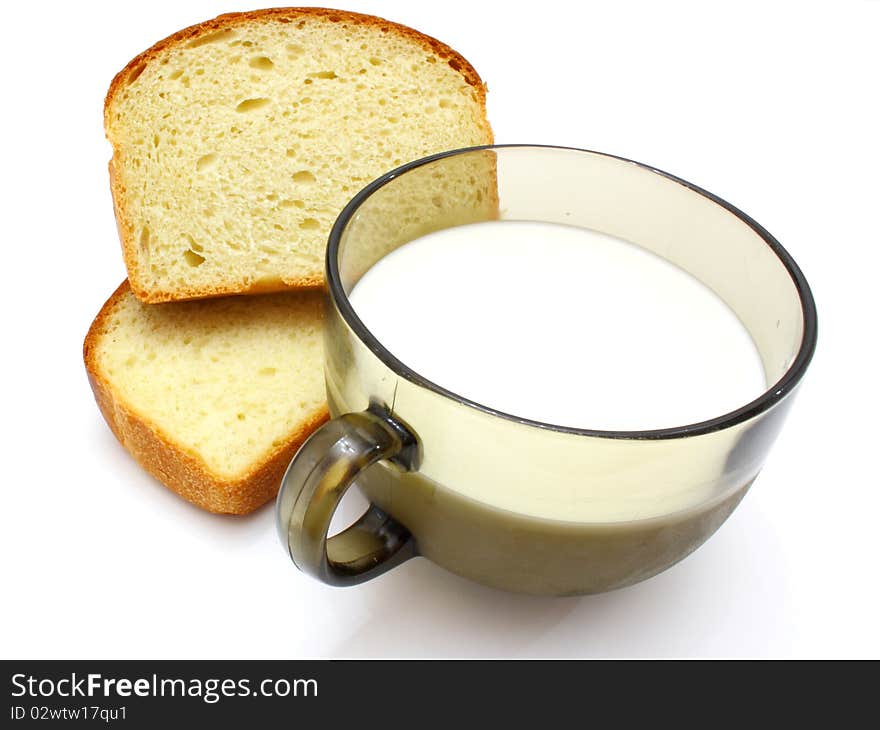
x,y
229,21
178,468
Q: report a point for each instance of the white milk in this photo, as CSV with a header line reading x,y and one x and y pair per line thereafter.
x,y
561,325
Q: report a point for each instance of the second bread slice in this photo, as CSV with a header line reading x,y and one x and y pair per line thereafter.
x,y
213,397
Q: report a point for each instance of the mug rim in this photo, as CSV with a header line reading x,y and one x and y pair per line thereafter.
x,y
764,402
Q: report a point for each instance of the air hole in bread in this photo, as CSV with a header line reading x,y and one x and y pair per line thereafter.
x,y
249,105
206,161
323,75
176,75
375,61
144,242
220,35
268,282
445,103
135,72
309,224
263,63
303,176
192,258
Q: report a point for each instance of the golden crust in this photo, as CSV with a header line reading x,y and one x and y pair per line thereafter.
x,y
179,469
224,22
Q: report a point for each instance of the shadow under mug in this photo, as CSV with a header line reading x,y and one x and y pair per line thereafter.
x,y
433,463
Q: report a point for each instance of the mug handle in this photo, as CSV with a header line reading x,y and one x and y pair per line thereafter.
x,y
323,469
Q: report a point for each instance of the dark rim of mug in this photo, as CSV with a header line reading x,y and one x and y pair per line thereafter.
x,y
764,402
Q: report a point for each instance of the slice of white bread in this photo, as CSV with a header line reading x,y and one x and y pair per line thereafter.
x,y
236,142
211,397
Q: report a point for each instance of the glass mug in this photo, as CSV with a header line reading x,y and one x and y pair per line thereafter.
x,y
427,459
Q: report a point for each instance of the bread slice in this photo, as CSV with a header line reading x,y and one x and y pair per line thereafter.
x,y
236,142
211,397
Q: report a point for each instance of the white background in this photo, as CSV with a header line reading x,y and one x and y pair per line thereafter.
x,y
772,105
